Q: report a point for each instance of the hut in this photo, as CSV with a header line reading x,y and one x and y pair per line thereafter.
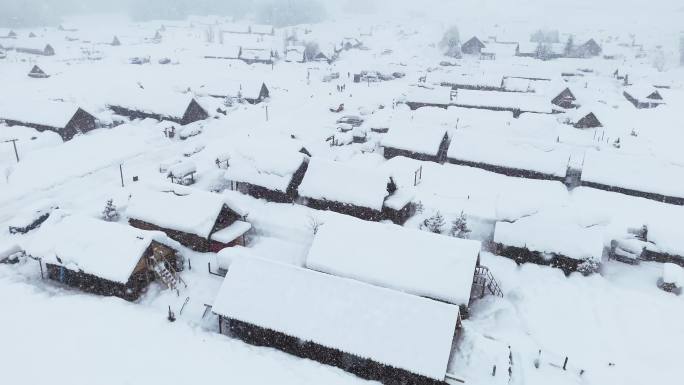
x,y
178,108
371,332
295,53
557,243
643,96
329,185
416,262
105,258
266,171
115,42
474,46
37,73
251,92
66,119
583,118
7,34
428,144
589,49
199,220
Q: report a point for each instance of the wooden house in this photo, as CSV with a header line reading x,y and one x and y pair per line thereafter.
x,y
583,118
7,34
116,42
551,242
66,119
329,185
250,92
589,49
266,171
178,108
428,144
199,220
474,46
105,258
37,73
417,262
363,329
643,96
35,49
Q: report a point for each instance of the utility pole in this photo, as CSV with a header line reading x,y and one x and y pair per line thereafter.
x,y
267,113
121,173
14,144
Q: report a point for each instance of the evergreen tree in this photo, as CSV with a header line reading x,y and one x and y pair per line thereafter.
x,y
569,49
451,41
435,223
459,227
110,213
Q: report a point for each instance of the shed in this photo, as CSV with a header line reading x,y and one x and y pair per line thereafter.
x,y
37,73
66,119
104,258
565,99
199,220
413,261
375,333
643,96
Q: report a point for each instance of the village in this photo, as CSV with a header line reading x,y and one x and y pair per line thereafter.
x,y
341,202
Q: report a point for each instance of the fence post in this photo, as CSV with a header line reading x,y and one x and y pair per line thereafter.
x,y
565,364
494,371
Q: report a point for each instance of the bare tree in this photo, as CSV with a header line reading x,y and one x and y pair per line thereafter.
x,y
315,224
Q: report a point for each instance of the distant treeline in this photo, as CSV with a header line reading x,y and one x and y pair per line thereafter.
x,y
33,13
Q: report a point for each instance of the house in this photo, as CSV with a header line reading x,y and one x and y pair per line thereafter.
x,y
334,186
372,332
428,144
417,262
178,108
643,96
66,119
486,81
67,28
351,43
424,96
251,92
256,55
516,102
35,49
474,46
37,73
115,42
105,258
199,220
565,99
549,241
266,171
633,175
589,49
7,34
517,159
262,29
664,242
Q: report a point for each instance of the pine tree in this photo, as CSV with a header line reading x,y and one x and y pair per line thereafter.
x,y
110,213
459,227
435,223
569,49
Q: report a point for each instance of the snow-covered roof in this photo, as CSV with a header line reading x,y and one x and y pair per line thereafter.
x,y
223,87
165,103
486,79
673,274
417,262
551,236
334,181
389,327
424,140
430,95
522,101
104,249
639,173
43,112
642,92
268,165
193,213
488,149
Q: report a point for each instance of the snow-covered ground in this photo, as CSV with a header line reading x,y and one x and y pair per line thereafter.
x,y
615,327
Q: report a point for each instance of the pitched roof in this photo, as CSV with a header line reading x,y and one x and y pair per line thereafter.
x,y
389,327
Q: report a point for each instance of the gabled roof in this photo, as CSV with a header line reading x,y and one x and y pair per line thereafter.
x,y
42,112
387,326
391,256
474,41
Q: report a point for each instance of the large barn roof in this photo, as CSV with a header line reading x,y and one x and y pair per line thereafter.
x,y
417,262
333,181
422,140
386,326
104,249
